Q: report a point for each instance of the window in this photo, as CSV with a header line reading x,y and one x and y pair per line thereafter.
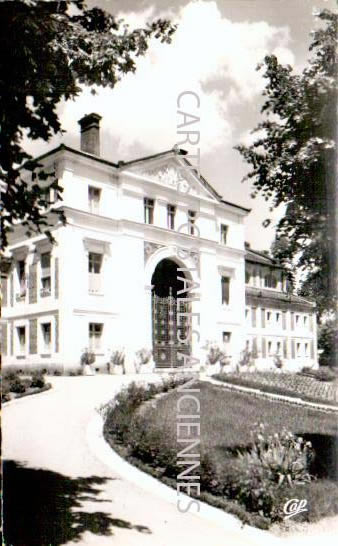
x,y
269,347
224,234
171,211
94,270
95,336
46,331
247,276
21,331
270,281
297,319
21,268
225,283
148,210
45,275
226,337
247,314
305,321
298,349
306,349
277,318
268,317
191,222
278,347
94,196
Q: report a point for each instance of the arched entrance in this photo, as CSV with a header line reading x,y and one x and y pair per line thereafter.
x,y
168,324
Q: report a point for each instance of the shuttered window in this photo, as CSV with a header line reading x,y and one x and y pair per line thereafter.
x,y
285,348
45,274
225,284
293,349
254,316
95,336
263,318
94,271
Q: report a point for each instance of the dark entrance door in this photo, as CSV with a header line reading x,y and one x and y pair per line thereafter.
x,y
168,325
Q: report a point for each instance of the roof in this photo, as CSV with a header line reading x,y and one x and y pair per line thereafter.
x,y
259,257
275,296
75,151
124,164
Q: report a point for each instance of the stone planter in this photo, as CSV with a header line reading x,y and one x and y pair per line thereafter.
x,y
211,369
145,368
88,370
118,370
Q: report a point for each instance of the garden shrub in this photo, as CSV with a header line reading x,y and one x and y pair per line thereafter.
x,y
325,374
38,380
274,463
17,386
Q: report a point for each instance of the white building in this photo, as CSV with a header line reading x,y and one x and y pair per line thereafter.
x,y
110,280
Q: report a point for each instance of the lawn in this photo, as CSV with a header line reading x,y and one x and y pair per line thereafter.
x,y
227,417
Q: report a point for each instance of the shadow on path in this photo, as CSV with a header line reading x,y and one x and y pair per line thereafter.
x,y
44,508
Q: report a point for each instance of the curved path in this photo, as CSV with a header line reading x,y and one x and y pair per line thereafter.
x,y
58,492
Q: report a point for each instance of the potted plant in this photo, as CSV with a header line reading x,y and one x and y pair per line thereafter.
x,y
246,361
216,357
87,359
143,361
117,360
278,362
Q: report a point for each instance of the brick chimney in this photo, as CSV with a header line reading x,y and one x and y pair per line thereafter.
x,y
90,133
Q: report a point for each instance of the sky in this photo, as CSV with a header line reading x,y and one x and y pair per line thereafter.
x,y
213,53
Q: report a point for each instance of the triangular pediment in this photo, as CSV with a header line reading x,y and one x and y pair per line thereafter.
x,y
174,172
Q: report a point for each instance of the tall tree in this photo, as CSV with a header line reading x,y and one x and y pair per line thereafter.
x,y
292,161
48,49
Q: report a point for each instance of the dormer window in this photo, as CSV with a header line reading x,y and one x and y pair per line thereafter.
x,y
171,211
191,222
94,196
224,234
148,210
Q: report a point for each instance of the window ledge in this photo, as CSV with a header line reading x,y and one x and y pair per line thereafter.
x,y
20,357
45,355
91,293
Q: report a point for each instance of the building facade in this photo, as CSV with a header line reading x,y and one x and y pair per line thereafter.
x,y
151,256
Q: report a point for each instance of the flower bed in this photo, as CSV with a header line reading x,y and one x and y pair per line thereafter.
x,y
17,386
289,384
